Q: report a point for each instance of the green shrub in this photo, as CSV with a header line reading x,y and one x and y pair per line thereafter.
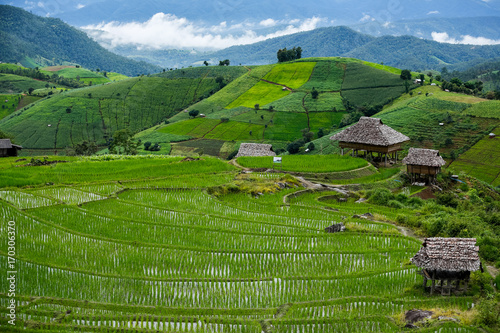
x,y
380,196
447,199
395,204
434,225
488,312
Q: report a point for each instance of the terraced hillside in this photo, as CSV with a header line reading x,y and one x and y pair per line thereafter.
x,y
450,122
95,113
153,251
274,103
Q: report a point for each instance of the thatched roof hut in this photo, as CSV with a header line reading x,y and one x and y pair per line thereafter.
x,y
423,162
449,259
255,149
371,135
371,132
448,254
8,149
424,157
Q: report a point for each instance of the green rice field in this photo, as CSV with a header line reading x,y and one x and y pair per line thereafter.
x,y
297,163
121,244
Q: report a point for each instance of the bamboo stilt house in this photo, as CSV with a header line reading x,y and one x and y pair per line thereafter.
x,y
255,149
423,162
8,149
371,135
448,260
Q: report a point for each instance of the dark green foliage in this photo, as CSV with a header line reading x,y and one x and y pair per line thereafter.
x,y
447,199
289,55
232,155
123,143
225,62
307,135
147,145
405,74
85,148
311,146
489,248
350,118
314,93
294,147
193,113
489,311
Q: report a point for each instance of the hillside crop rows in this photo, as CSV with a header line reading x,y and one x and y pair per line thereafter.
x,y
95,113
482,161
161,254
462,124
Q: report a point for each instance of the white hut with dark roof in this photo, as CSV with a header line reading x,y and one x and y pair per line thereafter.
x,y
255,149
8,149
423,162
371,135
447,259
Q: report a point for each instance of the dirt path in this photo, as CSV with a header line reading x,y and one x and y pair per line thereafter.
x,y
277,84
493,271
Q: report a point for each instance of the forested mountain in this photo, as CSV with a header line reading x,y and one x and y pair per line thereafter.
x,y
32,40
455,27
401,51
415,53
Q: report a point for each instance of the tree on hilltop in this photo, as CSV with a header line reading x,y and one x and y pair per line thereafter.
x,y
289,55
405,74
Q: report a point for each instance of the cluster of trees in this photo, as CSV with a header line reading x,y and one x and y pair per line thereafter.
x,y
307,136
456,85
223,62
151,147
123,143
35,73
288,55
354,113
83,149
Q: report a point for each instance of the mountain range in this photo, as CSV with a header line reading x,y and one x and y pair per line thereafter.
x,y
36,41
32,40
398,51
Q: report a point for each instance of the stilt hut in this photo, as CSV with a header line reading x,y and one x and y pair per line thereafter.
x,y
448,261
255,149
8,149
371,135
423,163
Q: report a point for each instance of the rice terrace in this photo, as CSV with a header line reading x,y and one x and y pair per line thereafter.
x,y
315,194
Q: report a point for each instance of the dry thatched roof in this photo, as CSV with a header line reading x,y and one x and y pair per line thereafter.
x,y
370,131
5,144
427,157
448,254
255,149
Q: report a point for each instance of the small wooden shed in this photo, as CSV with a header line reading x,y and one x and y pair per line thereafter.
x,y
447,259
8,149
371,135
255,149
423,163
